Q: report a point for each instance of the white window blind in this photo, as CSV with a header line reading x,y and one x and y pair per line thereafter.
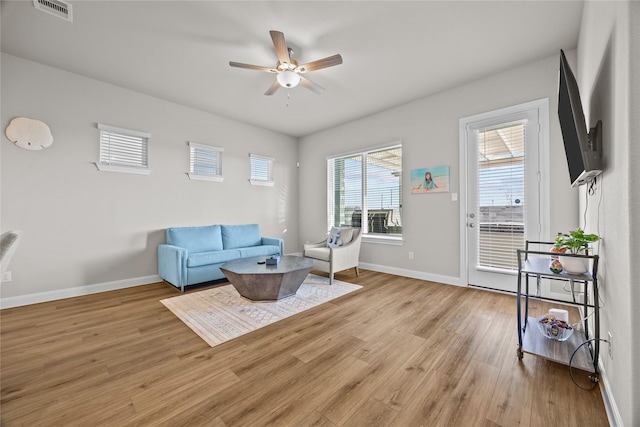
x,y
205,162
345,200
123,150
365,191
501,195
261,170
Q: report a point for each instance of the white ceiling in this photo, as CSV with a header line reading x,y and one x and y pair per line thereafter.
x,y
393,51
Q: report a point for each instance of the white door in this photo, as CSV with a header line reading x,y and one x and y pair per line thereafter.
x,y
504,192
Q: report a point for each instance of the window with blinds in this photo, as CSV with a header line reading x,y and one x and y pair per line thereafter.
x,y
365,191
261,170
501,195
205,162
123,150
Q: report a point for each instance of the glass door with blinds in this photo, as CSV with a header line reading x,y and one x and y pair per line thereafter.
x,y
503,196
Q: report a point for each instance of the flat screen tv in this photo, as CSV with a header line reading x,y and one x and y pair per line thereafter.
x,y
583,149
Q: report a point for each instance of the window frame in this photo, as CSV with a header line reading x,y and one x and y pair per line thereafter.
x,y
113,166
395,239
193,148
254,180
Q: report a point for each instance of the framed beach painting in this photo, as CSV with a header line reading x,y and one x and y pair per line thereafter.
x,y
430,180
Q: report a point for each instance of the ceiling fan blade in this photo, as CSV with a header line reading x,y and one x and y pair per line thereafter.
x,y
273,88
280,46
311,85
253,67
329,61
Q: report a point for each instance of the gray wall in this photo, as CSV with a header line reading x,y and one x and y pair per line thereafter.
x,y
84,227
428,129
608,69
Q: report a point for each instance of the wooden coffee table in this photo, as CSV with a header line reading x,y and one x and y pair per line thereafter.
x,y
261,282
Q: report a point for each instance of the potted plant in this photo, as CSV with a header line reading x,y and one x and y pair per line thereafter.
x,y
575,242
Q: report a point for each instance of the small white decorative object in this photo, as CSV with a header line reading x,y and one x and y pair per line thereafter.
x,y
560,314
29,134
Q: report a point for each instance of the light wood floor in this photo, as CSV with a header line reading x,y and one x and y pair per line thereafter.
x,y
399,352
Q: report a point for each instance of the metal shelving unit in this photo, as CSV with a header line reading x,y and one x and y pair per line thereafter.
x,y
535,264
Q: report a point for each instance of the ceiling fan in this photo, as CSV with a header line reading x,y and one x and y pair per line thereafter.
x,y
289,73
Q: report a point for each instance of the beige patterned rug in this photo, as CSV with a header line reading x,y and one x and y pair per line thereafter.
x,y
220,314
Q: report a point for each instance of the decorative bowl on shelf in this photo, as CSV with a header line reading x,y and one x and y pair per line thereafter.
x,y
554,329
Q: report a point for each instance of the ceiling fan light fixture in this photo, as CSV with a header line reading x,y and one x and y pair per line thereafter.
x,y
288,71
288,79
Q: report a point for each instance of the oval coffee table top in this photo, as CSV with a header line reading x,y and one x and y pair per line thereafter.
x,y
250,265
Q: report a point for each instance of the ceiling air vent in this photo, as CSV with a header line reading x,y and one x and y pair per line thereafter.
x,y
59,8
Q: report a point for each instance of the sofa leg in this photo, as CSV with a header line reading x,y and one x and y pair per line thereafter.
x,y
357,271
331,278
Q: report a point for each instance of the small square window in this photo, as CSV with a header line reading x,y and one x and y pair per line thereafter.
x,y
205,162
123,150
261,170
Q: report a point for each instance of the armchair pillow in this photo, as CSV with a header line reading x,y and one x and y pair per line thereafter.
x,y
333,241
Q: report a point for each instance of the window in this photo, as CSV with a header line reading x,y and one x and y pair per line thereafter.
x,y
261,170
501,196
367,185
205,162
123,150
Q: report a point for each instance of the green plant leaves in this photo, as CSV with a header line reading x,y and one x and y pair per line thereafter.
x,y
576,241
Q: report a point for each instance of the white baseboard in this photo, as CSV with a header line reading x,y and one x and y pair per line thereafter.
x,y
76,292
448,280
615,420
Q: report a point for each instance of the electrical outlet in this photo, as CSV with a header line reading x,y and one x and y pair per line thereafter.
x,y
454,197
610,346
6,277
410,255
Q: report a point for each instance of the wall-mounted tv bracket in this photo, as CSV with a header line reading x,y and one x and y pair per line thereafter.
x,y
595,138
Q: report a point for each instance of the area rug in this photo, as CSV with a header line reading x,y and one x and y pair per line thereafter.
x,y
220,314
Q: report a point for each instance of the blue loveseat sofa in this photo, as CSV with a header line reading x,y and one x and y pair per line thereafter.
x,y
194,254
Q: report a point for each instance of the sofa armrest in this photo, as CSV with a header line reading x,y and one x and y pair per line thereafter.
x,y
172,264
274,241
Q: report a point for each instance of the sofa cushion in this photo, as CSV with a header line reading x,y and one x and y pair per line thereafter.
x,y
213,257
241,236
259,251
196,239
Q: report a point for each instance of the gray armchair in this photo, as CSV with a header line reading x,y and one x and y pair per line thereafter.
x,y
333,259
